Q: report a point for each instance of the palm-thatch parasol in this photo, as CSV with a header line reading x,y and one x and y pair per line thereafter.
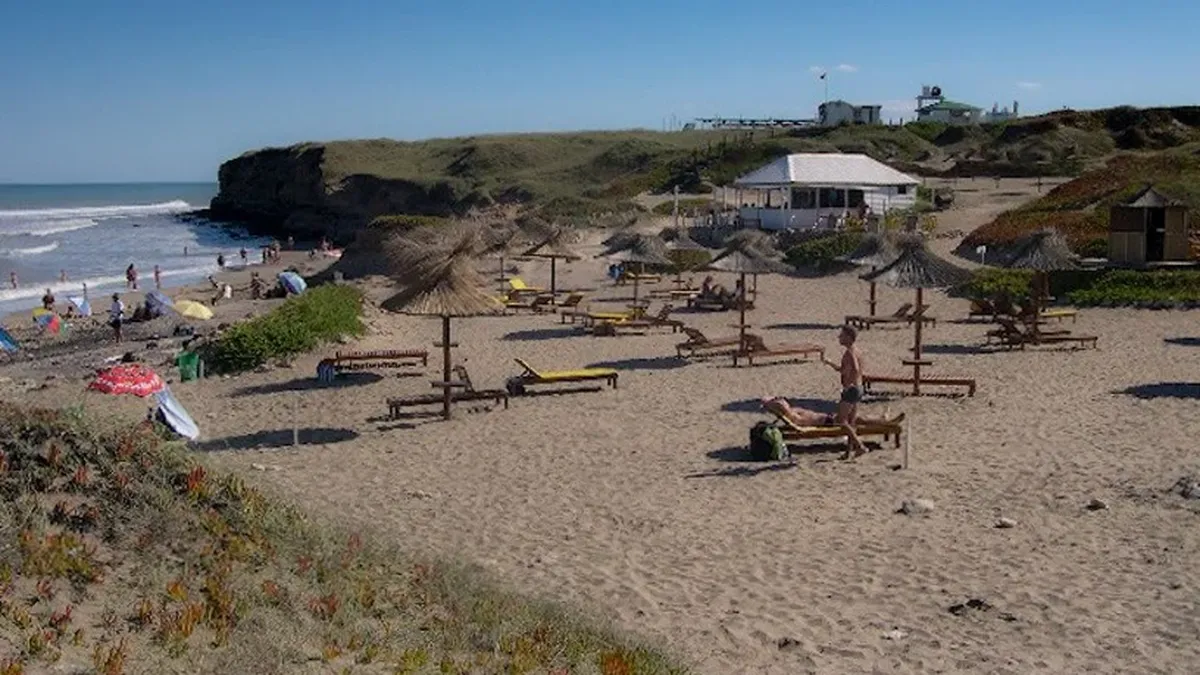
x,y
757,243
678,240
743,262
874,251
917,267
641,249
440,280
554,246
1043,252
500,240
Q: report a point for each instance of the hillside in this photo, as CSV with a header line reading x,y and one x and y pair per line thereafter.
x,y
337,187
1080,208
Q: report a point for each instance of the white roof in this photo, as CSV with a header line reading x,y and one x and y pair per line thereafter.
x,y
825,170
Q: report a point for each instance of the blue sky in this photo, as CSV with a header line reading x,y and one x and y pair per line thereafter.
x,y
165,91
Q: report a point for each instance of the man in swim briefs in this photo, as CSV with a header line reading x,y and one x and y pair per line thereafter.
x,y
850,370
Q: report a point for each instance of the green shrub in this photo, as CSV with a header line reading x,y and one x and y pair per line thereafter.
x,y
687,260
990,283
302,323
822,253
404,223
1094,248
1124,287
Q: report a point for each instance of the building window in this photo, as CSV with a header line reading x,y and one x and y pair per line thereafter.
x,y
901,189
804,199
856,199
833,198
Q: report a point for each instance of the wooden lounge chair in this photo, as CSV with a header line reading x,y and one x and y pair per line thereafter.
x,y
1011,335
467,392
518,285
517,385
699,345
380,358
709,304
756,348
643,278
904,315
588,317
538,303
1059,314
570,302
892,430
643,323
926,380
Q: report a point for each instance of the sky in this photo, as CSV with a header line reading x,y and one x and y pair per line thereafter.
x,y
123,91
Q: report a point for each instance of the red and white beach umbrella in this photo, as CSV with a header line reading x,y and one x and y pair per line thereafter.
x,y
128,378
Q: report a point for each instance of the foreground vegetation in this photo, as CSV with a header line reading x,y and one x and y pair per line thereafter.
x,y
321,314
1080,208
120,553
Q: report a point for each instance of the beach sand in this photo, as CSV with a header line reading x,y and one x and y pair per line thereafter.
x,y
638,504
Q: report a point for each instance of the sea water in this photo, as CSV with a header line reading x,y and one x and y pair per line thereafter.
x,y
93,232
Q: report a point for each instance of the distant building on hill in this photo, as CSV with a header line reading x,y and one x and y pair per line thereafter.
x,y
932,106
834,113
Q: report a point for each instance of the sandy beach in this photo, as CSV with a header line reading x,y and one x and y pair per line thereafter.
x,y
639,503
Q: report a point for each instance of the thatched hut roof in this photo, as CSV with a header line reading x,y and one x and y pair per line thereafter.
x,y
917,267
755,242
1043,251
556,244
678,240
640,248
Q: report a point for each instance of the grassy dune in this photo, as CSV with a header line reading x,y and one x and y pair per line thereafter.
x,y
119,552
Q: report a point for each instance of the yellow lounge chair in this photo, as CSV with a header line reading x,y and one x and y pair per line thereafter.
x,y
1059,314
516,385
517,284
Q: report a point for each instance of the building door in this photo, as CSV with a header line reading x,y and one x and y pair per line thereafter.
x,y
1156,234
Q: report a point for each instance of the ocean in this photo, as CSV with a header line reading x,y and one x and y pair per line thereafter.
x,y
92,232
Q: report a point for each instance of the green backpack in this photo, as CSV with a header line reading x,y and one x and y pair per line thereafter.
x,y
767,444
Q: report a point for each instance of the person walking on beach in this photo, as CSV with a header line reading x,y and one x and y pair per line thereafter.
x,y
48,301
245,256
116,315
131,277
221,260
62,276
157,278
12,278
851,373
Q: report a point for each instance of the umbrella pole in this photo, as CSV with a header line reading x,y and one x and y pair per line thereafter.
x,y
501,275
446,391
871,302
636,277
755,291
917,345
553,279
741,321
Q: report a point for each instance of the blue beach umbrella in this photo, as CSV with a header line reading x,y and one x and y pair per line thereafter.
x,y
7,343
81,304
294,283
158,303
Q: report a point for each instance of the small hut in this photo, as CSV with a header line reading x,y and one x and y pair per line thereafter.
x,y
1149,228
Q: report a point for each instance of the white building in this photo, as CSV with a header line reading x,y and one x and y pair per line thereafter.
x,y
999,114
833,113
933,107
814,190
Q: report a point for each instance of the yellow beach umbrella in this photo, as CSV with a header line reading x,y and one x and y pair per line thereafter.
x,y
193,310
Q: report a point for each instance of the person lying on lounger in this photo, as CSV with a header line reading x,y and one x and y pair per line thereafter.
x,y
802,417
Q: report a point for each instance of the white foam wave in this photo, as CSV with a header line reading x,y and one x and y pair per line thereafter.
x,y
43,222
23,252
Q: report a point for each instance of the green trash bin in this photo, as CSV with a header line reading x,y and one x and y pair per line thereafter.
x,y
189,366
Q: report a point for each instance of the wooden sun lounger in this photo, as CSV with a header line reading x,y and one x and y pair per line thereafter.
x,y
660,320
588,317
714,305
530,376
380,358
699,345
1059,314
1010,335
757,349
539,303
903,315
892,430
642,278
467,392
936,381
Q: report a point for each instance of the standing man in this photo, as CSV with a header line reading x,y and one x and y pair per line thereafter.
x,y
116,315
157,278
851,373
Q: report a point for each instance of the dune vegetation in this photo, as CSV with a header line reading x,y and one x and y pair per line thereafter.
x,y
120,552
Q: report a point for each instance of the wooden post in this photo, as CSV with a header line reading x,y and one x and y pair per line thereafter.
x,y
501,275
447,393
917,344
553,278
906,455
871,302
741,321
296,420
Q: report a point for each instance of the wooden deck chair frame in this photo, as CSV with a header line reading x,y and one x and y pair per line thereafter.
x,y
531,376
467,393
700,346
926,380
892,431
756,348
358,360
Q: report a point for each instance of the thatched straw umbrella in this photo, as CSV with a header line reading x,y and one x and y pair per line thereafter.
x,y
500,241
743,262
554,246
1043,252
440,280
642,249
874,251
917,267
678,240
756,243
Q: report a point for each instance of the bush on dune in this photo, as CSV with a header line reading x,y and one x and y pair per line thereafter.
x,y
821,253
322,314
119,550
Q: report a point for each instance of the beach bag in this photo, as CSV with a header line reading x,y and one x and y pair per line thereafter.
x,y
767,444
189,366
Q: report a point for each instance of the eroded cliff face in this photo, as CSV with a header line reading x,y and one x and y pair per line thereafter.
x,y
285,191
